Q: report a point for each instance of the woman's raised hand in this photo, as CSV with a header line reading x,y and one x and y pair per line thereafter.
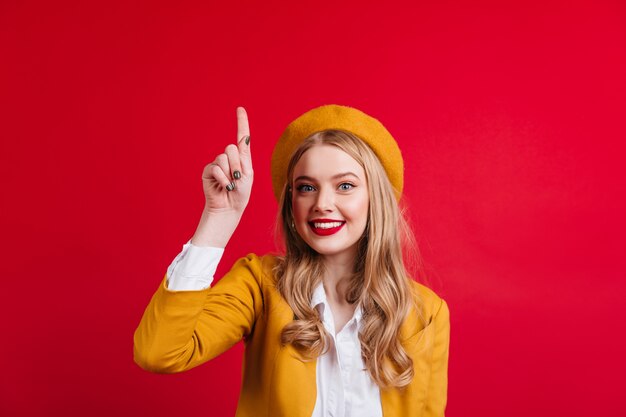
x,y
227,184
227,181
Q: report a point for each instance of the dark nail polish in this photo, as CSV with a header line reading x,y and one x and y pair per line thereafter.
x,y
248,140
230,186
237,175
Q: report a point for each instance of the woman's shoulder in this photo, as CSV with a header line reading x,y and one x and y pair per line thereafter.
x,y
264,261
261,266
430,301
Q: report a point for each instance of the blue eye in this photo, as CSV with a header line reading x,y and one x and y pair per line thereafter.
x,y
304,188
346,186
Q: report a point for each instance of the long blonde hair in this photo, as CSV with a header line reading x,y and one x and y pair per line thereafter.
x,y
379,280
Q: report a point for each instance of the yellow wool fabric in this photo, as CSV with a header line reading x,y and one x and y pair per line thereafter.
x,y
333,116
180,330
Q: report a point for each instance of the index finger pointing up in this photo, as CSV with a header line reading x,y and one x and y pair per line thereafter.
x,y
242,124
243,133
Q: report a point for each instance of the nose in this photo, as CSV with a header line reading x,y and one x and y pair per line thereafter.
x,y
325,200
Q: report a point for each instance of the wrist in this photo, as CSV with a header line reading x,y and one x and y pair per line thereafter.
x,y
215,229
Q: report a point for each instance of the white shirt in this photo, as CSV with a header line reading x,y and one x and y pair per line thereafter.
x,y
344,387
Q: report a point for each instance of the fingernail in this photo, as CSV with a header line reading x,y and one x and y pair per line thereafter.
x,y
230,186
247,138
237,175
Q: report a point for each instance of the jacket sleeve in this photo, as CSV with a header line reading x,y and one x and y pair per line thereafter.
x,y
438,386
183,329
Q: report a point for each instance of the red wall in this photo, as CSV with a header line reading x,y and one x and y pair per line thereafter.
x,y
511,117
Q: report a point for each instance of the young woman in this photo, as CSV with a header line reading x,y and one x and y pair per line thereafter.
x,y
332,327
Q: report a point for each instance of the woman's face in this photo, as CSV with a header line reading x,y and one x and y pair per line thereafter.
x,y
330,201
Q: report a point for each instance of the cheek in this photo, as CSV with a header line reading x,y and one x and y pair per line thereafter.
x,y
357,208
298,208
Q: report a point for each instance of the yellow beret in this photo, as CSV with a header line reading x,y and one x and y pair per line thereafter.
x,y
348,119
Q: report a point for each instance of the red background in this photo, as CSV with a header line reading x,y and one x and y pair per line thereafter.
x,y
511,117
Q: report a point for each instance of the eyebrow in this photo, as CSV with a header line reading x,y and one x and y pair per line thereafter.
x,y
340,175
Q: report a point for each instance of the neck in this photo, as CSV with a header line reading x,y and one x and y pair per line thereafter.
x,y
336,278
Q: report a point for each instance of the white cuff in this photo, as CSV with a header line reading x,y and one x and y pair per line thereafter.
x,y
194,267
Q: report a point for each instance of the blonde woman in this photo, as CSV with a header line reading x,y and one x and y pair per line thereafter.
x,y
334,326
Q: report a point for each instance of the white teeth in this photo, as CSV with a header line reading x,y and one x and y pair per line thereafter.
x,y
327,225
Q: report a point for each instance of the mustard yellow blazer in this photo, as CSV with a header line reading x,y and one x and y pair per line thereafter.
x,y
182,329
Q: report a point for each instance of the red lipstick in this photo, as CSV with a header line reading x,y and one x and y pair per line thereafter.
x,y
323,228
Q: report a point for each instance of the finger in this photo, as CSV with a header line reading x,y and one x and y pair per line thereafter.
x,y
243,129
221,178
213,172
233,161
243,141
245,157
222,161
207,173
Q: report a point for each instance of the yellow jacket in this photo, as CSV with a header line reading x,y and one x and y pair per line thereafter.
x,y
183,329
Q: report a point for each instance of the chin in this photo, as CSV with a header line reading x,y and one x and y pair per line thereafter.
x,y
329,250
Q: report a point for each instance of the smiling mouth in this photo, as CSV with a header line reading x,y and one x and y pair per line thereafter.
x,y
326,228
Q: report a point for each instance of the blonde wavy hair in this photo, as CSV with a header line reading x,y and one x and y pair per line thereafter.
x,y
379,280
